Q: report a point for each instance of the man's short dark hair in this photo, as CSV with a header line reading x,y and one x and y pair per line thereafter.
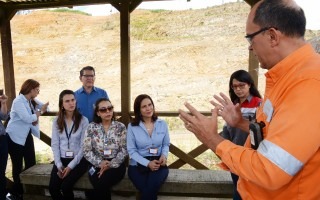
x,y
87,68
288,19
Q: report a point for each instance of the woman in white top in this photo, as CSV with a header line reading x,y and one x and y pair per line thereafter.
x,y
68,130
24,121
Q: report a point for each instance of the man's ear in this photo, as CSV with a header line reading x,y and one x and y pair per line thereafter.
x,y
80,78
274,36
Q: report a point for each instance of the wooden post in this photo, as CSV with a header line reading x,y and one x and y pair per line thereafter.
x,y
253,67
7,55
125,60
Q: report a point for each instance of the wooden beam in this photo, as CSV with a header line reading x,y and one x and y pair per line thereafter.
x,y
116,5
194,153
125,61
7,55
45,138
186,158
251,2
253,67
134,4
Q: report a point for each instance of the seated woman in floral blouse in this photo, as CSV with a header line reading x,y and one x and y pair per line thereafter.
x,y
104,146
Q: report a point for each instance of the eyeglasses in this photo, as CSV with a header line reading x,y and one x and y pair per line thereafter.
x,y
105,109
37,89
250,37
240,86
88,76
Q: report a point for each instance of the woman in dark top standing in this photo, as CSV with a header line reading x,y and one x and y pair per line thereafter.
x,y
242,90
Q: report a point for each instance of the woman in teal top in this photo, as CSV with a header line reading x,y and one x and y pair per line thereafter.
x,y
148,147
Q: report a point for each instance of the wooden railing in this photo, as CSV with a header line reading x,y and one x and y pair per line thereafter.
x,y
183,158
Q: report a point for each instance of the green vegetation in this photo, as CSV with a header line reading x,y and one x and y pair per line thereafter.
x,y
66,10
145,28
43,158
111,25
157,11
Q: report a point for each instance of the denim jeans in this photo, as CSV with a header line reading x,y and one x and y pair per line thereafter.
x,y
148,183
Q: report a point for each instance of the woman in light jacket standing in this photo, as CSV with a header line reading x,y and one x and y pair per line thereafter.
x,y
24,118
68,130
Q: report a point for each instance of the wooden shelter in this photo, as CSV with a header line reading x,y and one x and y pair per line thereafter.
x,y
8,8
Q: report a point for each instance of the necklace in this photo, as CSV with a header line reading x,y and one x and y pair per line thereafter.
x,y
149,127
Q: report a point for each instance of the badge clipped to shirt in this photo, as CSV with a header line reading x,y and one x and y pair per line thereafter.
x,y
153,150
69,154
107,152
92,170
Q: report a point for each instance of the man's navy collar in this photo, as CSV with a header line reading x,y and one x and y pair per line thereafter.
x,y
83,90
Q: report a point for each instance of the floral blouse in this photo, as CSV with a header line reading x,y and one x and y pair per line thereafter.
x,y
99,145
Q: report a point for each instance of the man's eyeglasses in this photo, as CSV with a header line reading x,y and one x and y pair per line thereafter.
x,y
240,86
105,109
88,76
250,37
37,89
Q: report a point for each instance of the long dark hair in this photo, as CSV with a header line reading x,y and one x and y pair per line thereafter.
x,y
137,112
96,118
76,114
242,76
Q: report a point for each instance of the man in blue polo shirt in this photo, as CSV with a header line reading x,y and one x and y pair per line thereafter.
x,y
88,94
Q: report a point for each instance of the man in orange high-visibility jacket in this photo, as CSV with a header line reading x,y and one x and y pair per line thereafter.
x,y
286,164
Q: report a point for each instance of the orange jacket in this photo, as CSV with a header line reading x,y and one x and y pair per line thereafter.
x,y
287,163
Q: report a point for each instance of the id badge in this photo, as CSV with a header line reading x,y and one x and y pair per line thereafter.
x,y
153,150
107,152
92,170
69,154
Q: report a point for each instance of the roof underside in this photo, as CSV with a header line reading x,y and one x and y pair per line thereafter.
x,y
35,4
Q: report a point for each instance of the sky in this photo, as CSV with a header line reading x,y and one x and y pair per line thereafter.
x,y
310,7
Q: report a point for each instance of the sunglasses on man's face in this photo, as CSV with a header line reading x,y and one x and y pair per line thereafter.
x,y
105,109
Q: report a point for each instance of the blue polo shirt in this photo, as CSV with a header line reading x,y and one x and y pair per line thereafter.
x,y
86,102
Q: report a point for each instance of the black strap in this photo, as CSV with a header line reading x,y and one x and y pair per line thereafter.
x,y
31,107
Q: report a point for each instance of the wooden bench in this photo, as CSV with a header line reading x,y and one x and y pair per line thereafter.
x,y
180,182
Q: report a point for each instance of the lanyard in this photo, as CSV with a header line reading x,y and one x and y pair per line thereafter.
x,y
68,134
31,107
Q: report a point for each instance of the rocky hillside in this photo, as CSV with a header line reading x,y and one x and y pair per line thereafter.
x,y
175,55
